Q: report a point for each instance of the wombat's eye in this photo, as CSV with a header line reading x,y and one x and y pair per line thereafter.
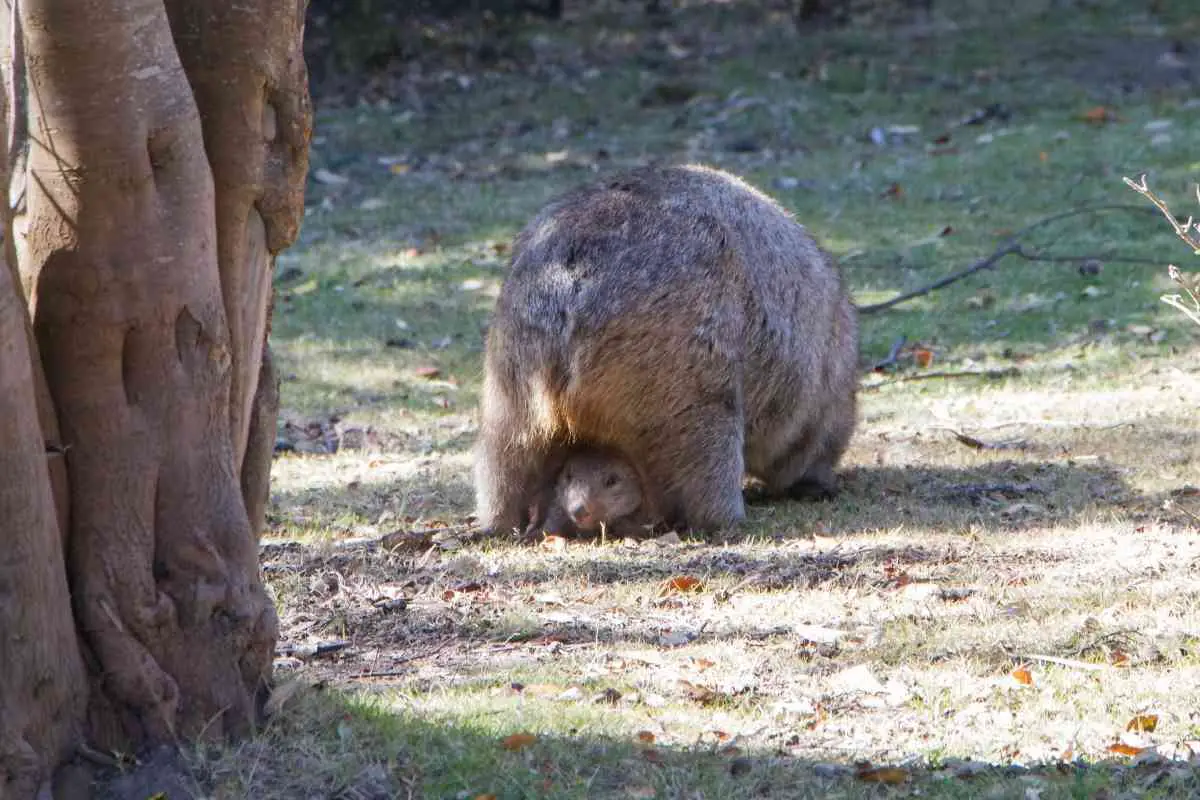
x,y
612,480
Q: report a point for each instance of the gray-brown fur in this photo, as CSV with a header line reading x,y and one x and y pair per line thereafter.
x,y
594,488
682,319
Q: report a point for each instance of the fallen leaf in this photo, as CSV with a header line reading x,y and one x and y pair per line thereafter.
x,y
892,776
1118,658
1023,676
518,741
1120,748
922,356
645,737
427,372
1099,115
699,694
1145,723
702,664
485,797
681,583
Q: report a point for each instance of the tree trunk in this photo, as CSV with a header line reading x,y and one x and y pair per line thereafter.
x,y
43,690
246,68
43,693
118,247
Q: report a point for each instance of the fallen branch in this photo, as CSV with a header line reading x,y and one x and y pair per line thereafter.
x,y
1011,246
991,374
1065,662
892,355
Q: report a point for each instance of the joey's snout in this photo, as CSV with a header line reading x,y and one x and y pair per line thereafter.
x,y
581,514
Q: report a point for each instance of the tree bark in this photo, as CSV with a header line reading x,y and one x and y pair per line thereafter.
x,y
43,691
118,247
245,63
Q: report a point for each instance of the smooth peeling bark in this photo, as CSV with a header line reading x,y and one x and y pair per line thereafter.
x,y
43,692
118,244
245,62
12,182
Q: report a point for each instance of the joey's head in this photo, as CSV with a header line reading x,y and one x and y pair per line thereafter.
x,y
596,487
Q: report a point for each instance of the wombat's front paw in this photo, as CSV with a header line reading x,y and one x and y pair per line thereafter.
x,y
812,490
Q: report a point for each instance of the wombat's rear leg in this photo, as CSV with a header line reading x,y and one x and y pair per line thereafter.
x,y
806,471
698,461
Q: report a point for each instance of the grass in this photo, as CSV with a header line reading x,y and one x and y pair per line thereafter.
x,y
891,627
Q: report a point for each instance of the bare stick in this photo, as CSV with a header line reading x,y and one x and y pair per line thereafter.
x,y
1011,245
991,374
892,355
1183,231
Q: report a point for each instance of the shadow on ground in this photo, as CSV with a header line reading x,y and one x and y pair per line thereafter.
x,y
325,744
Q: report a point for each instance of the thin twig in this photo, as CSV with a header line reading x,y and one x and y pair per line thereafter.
x,y
1011,246
1106,258
1181,230
1065,662
992,374
892,355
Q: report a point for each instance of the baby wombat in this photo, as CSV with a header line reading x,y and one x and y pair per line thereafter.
x,y
594,488
683,319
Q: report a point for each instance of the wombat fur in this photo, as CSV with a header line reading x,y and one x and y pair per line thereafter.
x,y
594,488
680,318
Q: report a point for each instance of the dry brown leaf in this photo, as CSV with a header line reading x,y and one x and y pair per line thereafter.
x,y
1023,676
485,797
702,664
892,776
699,694
1118,658
518,741
429,372
682,583
922,356
1145,723
645,737
1099,115
1120,748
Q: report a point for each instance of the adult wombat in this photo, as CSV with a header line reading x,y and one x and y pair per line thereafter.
x,y
678,317
594,488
